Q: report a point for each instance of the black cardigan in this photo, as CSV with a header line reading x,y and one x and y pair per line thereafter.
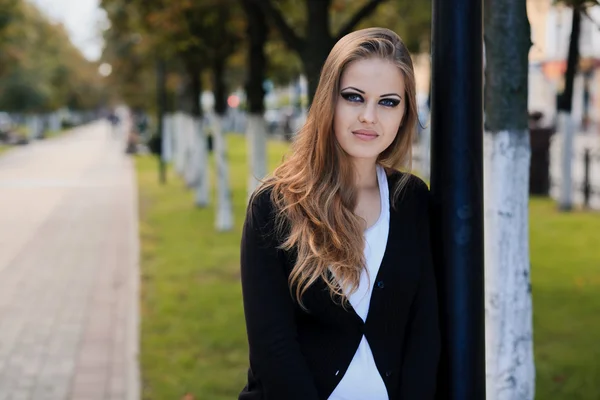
x,y
303,355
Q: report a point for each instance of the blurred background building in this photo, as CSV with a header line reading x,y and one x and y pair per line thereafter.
x,y
550,34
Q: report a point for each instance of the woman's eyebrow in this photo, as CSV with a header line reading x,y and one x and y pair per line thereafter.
x,y
390,94
352,87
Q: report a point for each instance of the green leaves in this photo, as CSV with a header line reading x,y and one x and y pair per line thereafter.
x,y
40,70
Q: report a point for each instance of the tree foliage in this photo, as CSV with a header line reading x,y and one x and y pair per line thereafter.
x,y
196,37
311,28
40,69
190,35
128,49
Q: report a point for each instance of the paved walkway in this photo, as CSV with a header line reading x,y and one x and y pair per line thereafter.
x,y
69,270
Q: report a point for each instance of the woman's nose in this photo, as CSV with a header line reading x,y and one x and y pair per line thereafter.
x,y
368,114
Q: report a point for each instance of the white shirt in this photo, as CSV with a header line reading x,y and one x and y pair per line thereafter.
x,y
362,380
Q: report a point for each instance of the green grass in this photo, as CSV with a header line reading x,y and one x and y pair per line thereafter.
x,y
193,333
49,134
565,258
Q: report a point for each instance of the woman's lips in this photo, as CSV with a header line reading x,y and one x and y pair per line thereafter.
x,y
365,135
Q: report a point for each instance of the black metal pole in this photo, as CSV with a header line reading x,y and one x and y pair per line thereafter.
x,y
457,194
160,111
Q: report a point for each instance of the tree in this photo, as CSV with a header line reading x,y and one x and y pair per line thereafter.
x,y
509,341
223,44
318,41
410,19
8,14
40,70
179,29
565,99
129,50
257,31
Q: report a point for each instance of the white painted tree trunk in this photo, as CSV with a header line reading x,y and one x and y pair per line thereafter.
x,y
256,139
35,127
179,143
510,370
176,141
224,221
55,121
191,169
203,183
567,127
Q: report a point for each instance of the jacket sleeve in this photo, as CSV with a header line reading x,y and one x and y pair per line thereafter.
x,y
276,359
422,346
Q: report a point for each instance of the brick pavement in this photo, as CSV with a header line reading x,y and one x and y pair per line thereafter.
x,y
69,270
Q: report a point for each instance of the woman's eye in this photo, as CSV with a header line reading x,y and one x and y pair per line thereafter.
x,y
352,97
389,102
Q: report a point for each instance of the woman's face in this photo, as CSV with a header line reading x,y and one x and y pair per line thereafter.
x,y
370,107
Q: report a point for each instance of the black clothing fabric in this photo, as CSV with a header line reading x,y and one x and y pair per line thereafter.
x,y
300,355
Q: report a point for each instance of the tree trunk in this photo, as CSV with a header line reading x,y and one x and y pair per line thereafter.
x,y
566,126
257,150
565,100
224,221
167,138
201,180
179,136
256,128
219,88
160,111
224,215
565,118
313,62
192,159
181,142
319,42
510,370
313,49
203,184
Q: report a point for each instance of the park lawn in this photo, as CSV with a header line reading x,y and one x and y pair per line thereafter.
x,y
193,335
565,259
49,134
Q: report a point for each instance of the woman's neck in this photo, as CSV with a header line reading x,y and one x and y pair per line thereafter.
x,y
366,174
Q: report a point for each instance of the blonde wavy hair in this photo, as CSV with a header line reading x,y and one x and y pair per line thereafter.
x,y
314,189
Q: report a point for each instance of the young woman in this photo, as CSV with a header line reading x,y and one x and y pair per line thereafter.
x,y
338,285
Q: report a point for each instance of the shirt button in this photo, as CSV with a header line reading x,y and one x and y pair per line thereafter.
x,y
380,285
388,373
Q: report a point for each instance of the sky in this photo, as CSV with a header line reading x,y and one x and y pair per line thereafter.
x,y
82,19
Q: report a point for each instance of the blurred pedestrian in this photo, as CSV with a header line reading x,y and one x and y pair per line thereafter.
x,y
113,118
337,277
